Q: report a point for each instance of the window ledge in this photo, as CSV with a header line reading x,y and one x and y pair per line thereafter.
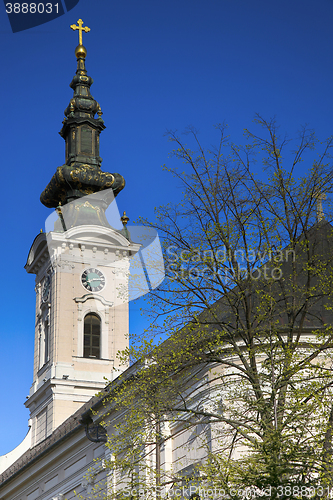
x,y
101,361
43,369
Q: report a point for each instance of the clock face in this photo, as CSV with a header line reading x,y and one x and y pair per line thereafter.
x,y
93,279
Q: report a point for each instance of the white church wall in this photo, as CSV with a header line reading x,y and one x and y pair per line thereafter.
x,y
9,458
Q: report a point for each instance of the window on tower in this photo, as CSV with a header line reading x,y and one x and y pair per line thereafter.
x,y
92,336
46,341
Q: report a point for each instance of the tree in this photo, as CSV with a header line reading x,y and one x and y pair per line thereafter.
x,y
244,371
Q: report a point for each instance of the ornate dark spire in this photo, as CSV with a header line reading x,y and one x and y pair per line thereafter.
x,y
81,175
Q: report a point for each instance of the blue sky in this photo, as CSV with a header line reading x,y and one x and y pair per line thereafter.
x,y
157,66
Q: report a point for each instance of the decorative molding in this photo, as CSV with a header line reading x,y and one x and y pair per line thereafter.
x,y
86,304
123,273
91,296
79,308
64,263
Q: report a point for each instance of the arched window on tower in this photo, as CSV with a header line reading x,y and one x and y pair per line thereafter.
x,y
92,336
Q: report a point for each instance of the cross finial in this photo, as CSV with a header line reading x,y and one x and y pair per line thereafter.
x,y
80,28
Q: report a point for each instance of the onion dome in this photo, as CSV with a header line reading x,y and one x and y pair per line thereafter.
x,y
81,175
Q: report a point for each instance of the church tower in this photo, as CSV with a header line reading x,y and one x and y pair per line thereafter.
x,y
81,266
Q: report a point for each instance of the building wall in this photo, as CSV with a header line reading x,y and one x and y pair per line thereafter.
x,y
61,470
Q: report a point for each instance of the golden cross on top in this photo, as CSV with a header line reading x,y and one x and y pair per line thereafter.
x,y
80,28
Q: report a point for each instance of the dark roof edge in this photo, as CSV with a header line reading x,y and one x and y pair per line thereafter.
x,y
38,455
41,449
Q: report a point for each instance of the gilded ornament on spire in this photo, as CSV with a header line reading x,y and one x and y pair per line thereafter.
x,y
80,50
80,28
124,219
